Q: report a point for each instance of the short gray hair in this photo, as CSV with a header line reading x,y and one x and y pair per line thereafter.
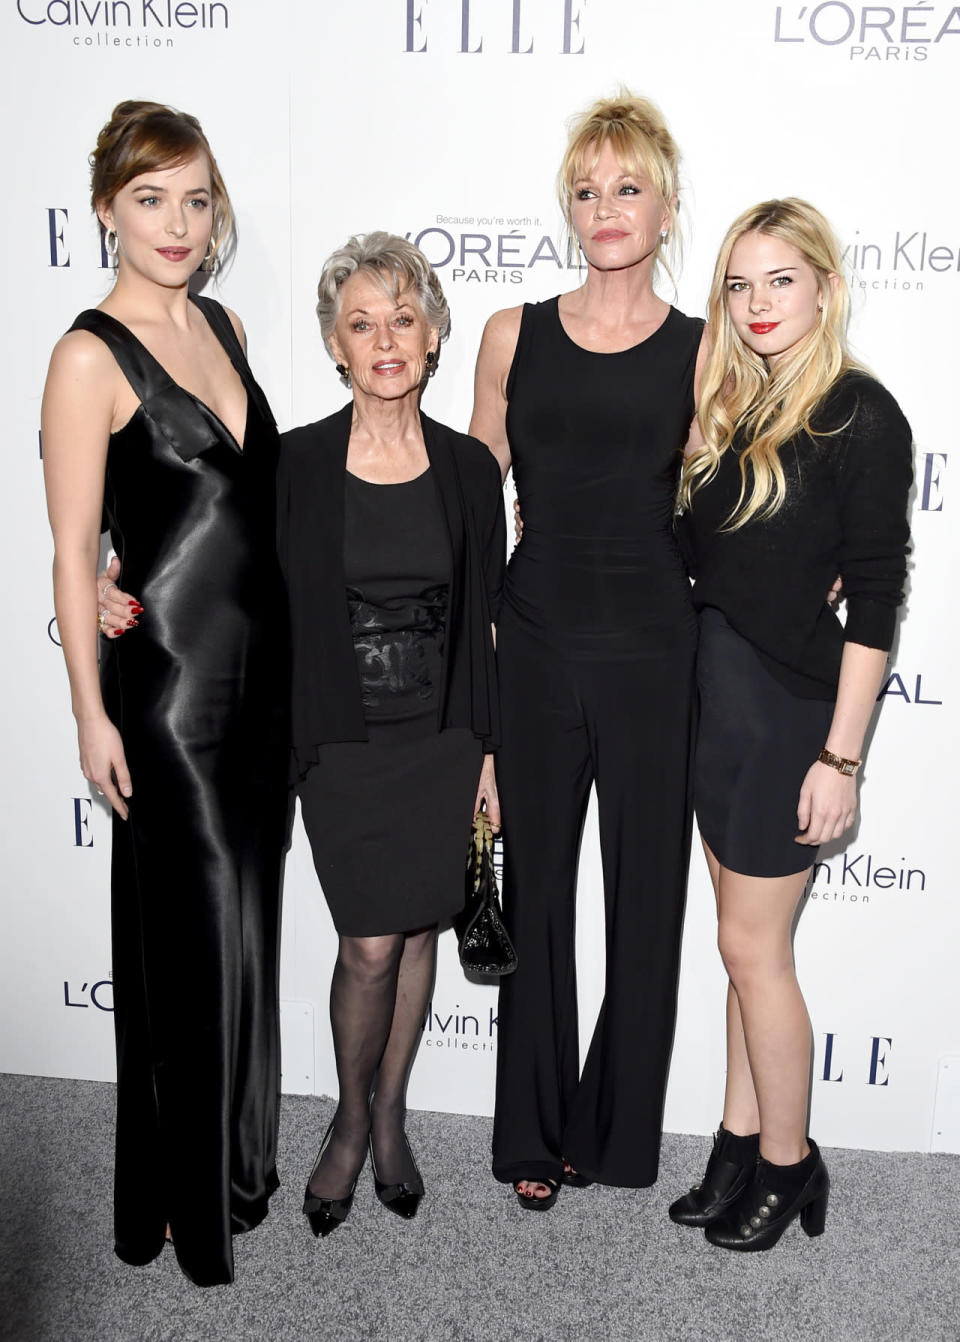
x,y
396,264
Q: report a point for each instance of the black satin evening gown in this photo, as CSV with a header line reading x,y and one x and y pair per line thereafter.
x,y
199,693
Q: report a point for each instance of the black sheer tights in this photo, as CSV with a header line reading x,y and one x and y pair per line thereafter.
x,y
377,1001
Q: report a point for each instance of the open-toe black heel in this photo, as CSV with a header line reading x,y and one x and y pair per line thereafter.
x,y
325,1214
405,1198
530,1202
573,1178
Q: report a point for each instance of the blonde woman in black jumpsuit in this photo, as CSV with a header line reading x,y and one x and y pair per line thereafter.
x,y
590,398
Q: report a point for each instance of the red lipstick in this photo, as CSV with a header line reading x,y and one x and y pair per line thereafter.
x,y
763,328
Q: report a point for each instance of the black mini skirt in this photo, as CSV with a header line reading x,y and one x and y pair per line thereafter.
x,y
755,743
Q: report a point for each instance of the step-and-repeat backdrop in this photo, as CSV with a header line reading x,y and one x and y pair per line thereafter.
x,y
445,120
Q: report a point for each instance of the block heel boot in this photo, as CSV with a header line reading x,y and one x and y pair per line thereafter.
x,y
776,1195
729,1171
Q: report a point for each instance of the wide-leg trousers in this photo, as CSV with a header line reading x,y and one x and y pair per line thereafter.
x,y
627,726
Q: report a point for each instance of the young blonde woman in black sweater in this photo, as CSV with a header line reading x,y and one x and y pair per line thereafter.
x,y
801,472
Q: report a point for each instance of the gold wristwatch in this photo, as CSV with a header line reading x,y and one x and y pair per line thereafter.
x,y
846,767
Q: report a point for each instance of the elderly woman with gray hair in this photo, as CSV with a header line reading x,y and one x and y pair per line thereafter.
x,y
391,539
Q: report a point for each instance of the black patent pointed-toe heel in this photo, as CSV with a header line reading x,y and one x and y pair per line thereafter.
x,y
404,1198
769,1204
325,1214
729,1170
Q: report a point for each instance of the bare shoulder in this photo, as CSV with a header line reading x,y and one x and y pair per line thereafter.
x,y
503,329
83,376
84,385
81,354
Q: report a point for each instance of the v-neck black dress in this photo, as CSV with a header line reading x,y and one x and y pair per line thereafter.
x,y
200,694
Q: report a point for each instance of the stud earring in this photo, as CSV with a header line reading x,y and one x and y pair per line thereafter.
x,y
111,243
663,236
344,373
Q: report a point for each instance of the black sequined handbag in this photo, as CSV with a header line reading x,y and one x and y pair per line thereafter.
x,y
485,948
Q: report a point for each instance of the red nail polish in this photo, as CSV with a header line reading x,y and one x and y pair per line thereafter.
x,y
117,633
136,608
131,624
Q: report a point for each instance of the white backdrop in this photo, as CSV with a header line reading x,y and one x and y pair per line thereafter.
x,y
444,120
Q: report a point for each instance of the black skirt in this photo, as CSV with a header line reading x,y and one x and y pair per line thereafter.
x,y
389,824
755,743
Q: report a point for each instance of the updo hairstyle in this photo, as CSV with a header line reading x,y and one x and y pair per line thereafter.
x,y
636,130
143,136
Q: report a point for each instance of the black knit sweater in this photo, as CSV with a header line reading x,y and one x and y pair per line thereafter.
x,y
845,512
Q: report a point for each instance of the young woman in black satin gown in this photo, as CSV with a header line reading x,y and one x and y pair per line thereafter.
x,y
802,472
151,414
590,398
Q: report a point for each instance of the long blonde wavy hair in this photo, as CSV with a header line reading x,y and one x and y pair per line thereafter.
x,y
742,393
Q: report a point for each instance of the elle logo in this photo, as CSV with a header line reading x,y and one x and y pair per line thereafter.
x,y
58,217
567,27
877,1062
82,811
931,481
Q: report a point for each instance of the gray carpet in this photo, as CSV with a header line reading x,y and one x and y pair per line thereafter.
x,y
604,1264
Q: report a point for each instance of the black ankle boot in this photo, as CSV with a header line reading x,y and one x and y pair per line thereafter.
x,y
777,1194
729,1170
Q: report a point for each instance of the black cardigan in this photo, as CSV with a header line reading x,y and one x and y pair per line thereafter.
x,y
845,512
327,701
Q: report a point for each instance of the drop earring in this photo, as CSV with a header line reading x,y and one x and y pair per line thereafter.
x,y
111,243
431,363
344,374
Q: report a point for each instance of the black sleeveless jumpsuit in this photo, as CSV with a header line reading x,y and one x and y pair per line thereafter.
x,y
199,693
596,645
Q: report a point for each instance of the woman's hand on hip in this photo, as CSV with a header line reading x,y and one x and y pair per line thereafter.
x,y
828,804
103,761
118,611
487,797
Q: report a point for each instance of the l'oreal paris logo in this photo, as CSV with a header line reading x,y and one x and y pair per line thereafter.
x,y
907,688
86,994
499,253
869,32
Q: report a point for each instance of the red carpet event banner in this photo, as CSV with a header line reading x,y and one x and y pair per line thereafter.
x,y
444,121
